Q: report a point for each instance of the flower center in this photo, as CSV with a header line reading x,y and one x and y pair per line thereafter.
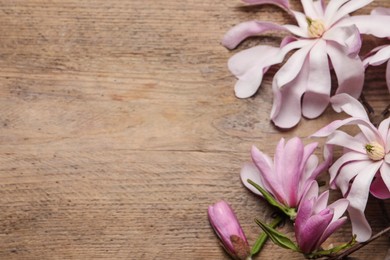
x,y
316,27
375,151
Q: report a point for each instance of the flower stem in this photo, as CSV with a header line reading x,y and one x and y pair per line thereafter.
x,y
359,245
260,242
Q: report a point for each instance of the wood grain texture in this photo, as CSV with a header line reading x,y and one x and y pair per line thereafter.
x,y
119,126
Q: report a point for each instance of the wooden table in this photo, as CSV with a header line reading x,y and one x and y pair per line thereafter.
x,y
119,127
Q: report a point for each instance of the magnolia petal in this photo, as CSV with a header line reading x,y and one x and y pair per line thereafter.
x,y
346,158
243,30
357,197
384,131
338,207
348,172
380,11
316,98
264,163
288,169
381,56
249,65
298,31
250,171
301,19
286,108
348,8
281,3
312,231
371,132
379,189
319,6
310,192
346,36
349,71
388,75
331,10
370,24
345,140
309,9
385,174
333,227
348,104
292,67
321,202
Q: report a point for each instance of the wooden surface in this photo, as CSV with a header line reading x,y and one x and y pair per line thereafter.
x,y
119,126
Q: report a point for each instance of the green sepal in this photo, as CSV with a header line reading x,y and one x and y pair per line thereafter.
x,y
263,237
291,212
277,237
333,251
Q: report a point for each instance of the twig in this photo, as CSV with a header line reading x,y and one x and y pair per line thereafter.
x,y
360,245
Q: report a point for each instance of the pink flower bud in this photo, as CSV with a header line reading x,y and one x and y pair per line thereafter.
x,y
225,224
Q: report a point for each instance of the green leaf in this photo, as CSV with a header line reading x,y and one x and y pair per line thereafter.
x,y
263,237
277,237
271,200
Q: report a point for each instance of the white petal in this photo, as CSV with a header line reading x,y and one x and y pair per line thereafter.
x,y
381,56
358,196
349,71
351,106
348,172
370,24
348,8
250,171
385,173
316,97
331,10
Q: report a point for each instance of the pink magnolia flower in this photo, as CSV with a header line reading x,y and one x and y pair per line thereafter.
x,y
303,83
381,54
316,221
225,223
365,165
291,175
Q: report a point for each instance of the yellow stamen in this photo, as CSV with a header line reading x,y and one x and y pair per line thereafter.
x,y
316,28
375,151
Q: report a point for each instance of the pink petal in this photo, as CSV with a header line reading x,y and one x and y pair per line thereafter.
x,y
348,172
380,11
301,19
384,130
339,207
370,24
345,140
316,98
319,6
282,3
264,163
309,9
249,65
331,10
250,171
288,169
333,227
381,56
348,8
292,67
349,71
348,104
379,189
385,174
243,30
346,36
311,192
357,197
346,158
298,31
388,75
321,202
286,108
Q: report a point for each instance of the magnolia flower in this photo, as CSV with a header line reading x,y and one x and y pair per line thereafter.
x,y
381,54
291,175
365,164
225,223
316,221
305,77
